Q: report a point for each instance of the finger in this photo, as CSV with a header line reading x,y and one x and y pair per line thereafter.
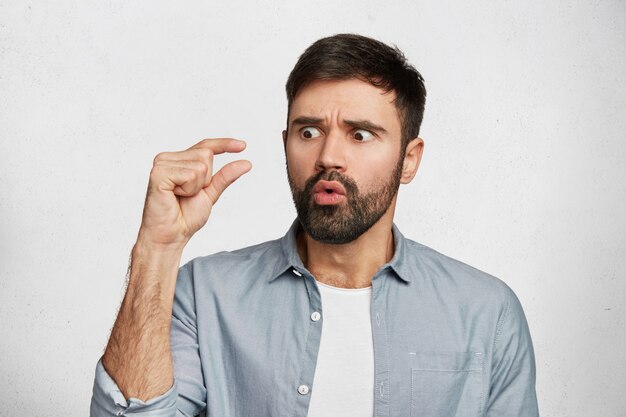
x,y
186,159
182,181
201,155
221,145
204,149
202,167
202,170
225,177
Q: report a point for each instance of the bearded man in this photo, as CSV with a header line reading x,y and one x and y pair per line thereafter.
x,y
343,316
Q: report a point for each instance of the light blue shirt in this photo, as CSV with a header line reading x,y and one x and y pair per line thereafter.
x,y
449,340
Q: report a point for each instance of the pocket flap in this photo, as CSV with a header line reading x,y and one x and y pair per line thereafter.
x,y
447,361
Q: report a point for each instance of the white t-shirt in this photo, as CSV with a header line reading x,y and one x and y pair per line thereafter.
x,y
343,384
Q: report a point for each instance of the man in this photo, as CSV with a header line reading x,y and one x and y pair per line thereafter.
x,y
343,316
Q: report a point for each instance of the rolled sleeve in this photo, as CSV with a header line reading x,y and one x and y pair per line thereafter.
x,y
108,400
513,374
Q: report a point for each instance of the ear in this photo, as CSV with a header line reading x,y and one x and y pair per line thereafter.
x,y
412,160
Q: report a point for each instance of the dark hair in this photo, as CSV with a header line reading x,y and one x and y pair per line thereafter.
x,y
347,56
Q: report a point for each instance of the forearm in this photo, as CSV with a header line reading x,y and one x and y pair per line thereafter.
x,y
181,193
138,355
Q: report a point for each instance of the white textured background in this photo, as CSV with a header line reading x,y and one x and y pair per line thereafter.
x,y
523,176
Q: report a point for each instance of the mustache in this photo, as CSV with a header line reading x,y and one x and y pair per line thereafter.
x,y
348,183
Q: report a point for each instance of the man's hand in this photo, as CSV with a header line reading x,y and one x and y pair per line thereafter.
x,y
183,189
181,194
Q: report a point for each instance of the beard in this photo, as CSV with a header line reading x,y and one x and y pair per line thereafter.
x,y
344,222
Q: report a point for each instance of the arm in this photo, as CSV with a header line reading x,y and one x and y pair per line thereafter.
x,y
138,355
512,391
108,400
181,193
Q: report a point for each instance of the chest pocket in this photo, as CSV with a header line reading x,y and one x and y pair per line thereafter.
x,y
446,384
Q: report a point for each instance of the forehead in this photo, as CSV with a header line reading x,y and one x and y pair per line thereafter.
x,y
352,99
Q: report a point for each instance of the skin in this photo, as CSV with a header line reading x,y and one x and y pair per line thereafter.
x,y
182,190
181,193
326,111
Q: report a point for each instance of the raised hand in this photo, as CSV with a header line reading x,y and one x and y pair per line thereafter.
x,y
181,194
183,189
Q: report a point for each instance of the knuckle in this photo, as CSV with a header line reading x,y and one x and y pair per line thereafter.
x,y
155,171
203,168
184,174
192,174
158,158
205,155
155,174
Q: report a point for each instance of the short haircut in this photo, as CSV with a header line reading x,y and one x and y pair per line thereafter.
x,y
349,56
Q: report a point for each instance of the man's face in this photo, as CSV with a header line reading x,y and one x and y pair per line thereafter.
x,y
343,157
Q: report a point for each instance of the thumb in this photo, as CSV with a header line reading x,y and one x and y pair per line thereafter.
x,y
225,177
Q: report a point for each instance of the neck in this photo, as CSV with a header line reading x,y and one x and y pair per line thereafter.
x,y
353,264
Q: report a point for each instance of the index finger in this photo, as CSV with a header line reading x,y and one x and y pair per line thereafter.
x,y
221,145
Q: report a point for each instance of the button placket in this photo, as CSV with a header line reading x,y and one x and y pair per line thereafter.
x,y
312,320
381,350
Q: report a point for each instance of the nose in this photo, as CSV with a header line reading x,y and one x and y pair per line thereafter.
x,y
332,153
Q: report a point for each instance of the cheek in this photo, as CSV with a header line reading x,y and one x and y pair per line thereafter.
x,y
373,167
299,166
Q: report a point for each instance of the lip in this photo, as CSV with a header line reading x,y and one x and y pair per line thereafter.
x,y
324,186
328,193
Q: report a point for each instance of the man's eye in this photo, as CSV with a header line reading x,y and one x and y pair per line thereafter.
x,y
310,132
363,135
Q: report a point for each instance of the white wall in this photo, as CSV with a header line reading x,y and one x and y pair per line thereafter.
x,y
523,174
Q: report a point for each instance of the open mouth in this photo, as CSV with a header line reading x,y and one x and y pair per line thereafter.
x,y
329,192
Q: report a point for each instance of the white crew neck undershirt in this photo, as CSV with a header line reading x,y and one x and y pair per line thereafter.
x,y
343,385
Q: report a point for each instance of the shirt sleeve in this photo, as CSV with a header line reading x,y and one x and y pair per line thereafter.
x,y
185,348
107,400
187,396
512,391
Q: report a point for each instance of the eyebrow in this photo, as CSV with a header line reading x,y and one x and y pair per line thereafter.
x,y
306,120
358,124
365,124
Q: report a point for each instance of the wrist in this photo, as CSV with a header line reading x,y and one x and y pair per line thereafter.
x,y
152,264
155,257
146,244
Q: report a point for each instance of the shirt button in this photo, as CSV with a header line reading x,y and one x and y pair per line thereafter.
x,y
315,316
303,389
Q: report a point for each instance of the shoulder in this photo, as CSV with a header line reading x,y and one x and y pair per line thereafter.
x,y
451,276
262,258
228,259
225,275
234,267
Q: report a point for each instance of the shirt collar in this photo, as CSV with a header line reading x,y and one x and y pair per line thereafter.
x,y
291,258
